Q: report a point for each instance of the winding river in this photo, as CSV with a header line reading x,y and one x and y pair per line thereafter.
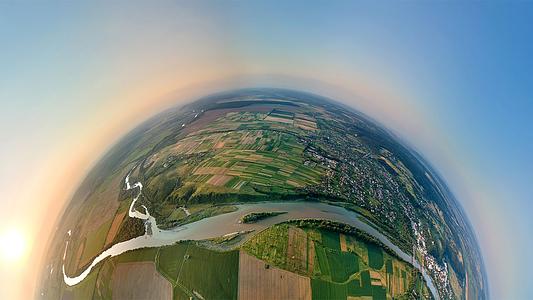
x,y
229,223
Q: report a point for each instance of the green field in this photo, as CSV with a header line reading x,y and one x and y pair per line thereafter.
x,y
95,241
342,265
170,259
85,289
192,269
364,269
331,240
212,274
375,256
327,290
336,267
362,287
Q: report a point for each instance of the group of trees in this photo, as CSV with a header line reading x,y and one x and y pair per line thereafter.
x,y
256,216
130,228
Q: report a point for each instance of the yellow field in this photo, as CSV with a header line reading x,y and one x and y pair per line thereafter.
x,y
219,180
276,119
115,226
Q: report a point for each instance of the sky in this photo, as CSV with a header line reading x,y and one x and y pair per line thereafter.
x,y
454,79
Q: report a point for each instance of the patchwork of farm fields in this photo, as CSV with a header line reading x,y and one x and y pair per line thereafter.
x,y
339,265
244,153
239,152
238,169
212,175
283,261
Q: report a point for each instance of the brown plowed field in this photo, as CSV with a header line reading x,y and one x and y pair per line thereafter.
x,y
297,250
258,282
139,281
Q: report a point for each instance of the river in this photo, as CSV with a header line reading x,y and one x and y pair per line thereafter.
x,y
228,223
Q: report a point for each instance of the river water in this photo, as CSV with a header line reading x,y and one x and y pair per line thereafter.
x,y
229,223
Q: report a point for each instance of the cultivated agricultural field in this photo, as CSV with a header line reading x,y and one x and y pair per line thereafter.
x,y
239,153
90,235
199,272
258,280
236,156
340,266
179,271
281,262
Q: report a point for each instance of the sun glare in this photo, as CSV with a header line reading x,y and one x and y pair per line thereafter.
x,y
14,245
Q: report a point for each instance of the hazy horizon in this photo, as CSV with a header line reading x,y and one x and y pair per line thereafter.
x,y
454,80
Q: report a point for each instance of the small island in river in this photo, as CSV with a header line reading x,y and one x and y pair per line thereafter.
x,y
256,216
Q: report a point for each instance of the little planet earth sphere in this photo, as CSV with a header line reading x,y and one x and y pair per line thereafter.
x,y
262,194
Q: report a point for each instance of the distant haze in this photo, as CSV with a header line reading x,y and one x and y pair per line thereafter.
x,y
452,79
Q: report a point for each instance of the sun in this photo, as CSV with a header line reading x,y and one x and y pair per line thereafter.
x,y
14,245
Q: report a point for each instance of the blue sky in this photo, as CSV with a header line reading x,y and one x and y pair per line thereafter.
x,y
455,79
